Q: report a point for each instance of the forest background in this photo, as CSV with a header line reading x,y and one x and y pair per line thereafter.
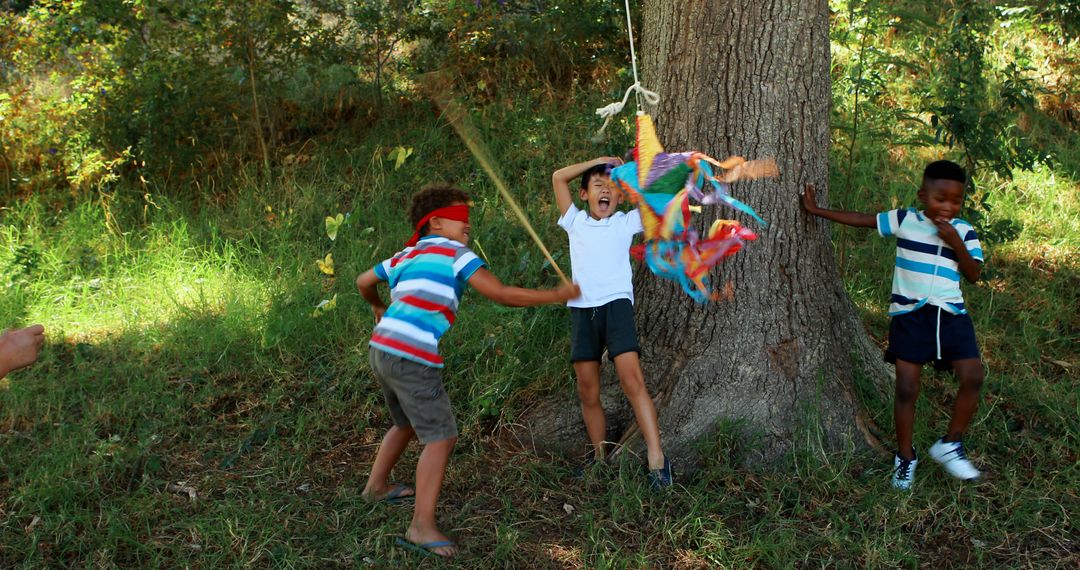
x,y
168,170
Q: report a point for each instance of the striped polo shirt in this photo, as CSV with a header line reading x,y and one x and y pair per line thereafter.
x,y
926,268
426,282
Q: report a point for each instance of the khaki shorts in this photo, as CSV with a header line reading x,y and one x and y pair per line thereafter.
x,y
415,395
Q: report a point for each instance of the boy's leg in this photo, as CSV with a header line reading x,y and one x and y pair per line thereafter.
x,y
970,374
628,368
588,386
949,450
907,392
430,470
397,438
393,444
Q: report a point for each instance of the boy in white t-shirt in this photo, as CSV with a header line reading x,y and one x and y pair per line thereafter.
x,y
603,316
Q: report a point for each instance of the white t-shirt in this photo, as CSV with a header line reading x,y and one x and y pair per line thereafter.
x,y
600,255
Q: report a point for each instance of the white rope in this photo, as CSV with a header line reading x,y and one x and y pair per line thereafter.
x,y
609,111
651,97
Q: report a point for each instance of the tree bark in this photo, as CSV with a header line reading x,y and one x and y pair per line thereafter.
x,y
748,78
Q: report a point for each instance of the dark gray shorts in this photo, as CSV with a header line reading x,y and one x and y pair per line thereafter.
x,y
415,395
608,326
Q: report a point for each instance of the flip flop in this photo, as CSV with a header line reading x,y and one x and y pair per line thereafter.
x,y
426,548
396,496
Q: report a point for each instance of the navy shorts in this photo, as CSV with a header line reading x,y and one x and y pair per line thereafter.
x,y
610,325
914,337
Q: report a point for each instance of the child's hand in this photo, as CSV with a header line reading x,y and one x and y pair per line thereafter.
x,y
948,233
19,347
378,313
567,291
809,200
612,160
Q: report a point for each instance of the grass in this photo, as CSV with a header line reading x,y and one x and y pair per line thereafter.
x,y
190,411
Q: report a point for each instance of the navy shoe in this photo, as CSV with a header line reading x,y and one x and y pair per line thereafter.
x,y
661,478
586,466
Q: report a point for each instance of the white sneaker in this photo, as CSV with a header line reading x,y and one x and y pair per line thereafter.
x,y
950,454
903,474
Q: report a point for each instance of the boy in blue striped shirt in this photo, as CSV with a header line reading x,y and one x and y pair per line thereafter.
x,y
934,249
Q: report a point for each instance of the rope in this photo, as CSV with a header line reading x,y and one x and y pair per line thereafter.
x,y
610,110
651,97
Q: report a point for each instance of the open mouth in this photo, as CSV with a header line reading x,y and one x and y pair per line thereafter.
x,y
604,203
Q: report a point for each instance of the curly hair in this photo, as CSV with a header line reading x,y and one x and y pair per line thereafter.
x,y
432,198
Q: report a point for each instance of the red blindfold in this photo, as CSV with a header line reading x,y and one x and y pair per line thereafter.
x,y
458,213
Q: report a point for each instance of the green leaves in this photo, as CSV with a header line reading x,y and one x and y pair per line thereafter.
x,y
333,224
326,265
399,155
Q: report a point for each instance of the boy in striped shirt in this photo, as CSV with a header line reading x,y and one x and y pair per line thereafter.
x,y
426,281
934,249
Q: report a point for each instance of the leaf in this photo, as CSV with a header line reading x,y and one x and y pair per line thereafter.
x,y
326,265
333,223
401,154
325,306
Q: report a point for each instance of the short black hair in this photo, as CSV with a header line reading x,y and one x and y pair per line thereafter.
x,y
430,199
595,170
944,170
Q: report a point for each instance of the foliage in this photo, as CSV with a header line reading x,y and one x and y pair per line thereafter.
x,y
951,78
97,90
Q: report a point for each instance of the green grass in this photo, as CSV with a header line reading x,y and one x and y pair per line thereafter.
x,y
183,354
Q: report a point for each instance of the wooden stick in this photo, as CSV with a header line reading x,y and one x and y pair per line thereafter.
x,y
458,118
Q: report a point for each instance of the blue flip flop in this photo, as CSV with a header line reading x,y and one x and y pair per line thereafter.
x,y
395,495
426,548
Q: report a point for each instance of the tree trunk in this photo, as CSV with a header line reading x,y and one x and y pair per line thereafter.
x,y
748,78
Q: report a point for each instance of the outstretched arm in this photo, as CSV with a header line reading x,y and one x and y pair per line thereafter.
x,y
19,348
489,286
368,283
855,219
560,180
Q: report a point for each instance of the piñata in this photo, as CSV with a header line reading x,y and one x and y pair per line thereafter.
x,y
663,186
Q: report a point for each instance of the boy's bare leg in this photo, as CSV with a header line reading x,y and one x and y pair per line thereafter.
x,y
393,444
628,368
430,470
588,386
970,374
907,392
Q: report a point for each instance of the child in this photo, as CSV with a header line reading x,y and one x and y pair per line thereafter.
x,y
426,281
929,322
603,316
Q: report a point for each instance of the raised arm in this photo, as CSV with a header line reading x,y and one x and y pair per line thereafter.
x,y
970,268
489,286
560,180
368,283
855,219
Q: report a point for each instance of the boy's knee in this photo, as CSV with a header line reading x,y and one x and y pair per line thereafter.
x,y
589,395
588,385
907,390
633,384
972,379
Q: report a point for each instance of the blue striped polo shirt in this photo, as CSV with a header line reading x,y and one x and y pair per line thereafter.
x,y
426,282
926,269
